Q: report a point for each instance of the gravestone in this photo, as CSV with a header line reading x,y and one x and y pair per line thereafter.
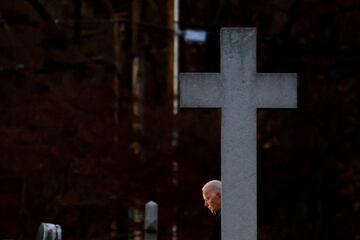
x,y
49,231
151,216
238,90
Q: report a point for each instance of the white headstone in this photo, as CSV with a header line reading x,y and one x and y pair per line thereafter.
x,y
49,231
151,216
238,90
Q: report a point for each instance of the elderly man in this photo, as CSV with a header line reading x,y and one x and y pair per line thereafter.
x,y
212,197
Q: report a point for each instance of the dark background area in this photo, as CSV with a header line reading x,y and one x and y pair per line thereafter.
x,y
75,151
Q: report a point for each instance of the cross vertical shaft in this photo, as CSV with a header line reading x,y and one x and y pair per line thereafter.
x,y
238,134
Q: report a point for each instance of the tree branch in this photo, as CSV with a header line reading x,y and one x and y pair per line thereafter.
x,y
40,9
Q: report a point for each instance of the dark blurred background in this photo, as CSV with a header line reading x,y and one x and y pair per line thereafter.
x,y
88,133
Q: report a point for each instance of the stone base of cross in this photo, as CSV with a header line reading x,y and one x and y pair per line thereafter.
x,y
238,90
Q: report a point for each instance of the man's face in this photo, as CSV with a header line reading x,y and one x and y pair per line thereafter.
x,y
212,200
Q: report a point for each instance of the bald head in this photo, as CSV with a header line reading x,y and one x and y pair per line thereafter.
x,y
212,195
213,186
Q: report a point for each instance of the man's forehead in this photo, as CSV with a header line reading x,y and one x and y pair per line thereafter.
x,y
206,191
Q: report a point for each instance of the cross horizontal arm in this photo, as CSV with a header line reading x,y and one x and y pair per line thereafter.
x,y
200,90
276,90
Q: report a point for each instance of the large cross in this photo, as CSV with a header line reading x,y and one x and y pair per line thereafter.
x,y
238,90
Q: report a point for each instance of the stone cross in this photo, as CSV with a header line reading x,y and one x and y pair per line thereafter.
x,y
238,90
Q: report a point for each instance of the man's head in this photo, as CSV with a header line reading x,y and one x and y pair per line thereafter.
x,y
212,195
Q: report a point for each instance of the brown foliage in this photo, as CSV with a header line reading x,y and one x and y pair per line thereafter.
x,y
64,158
